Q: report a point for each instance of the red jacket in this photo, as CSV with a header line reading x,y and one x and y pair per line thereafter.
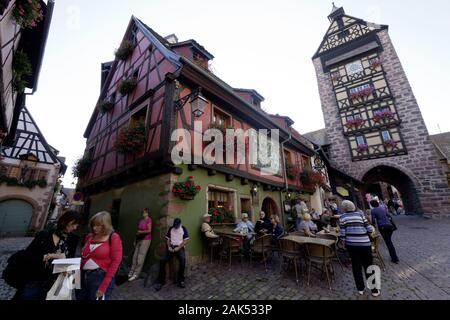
x,y
107,257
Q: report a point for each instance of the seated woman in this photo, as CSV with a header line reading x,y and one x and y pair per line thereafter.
x,y
263,226
307,226
207,229
277,230
325,219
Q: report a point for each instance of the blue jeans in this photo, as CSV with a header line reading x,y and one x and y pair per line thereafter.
x,y
90,282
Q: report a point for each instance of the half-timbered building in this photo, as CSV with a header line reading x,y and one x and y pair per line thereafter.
x,y
374,126
24,26
148,91
29,171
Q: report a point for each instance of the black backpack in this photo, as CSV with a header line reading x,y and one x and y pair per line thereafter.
x,y
15,273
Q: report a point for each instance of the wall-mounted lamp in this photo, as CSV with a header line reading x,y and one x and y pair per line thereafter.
x,y
254,190
197,101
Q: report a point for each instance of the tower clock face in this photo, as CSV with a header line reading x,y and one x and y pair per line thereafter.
x,y
354,67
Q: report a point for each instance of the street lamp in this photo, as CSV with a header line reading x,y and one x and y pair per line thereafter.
x,y
254,190
197,101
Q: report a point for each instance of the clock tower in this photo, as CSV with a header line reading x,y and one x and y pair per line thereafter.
x,y
373,122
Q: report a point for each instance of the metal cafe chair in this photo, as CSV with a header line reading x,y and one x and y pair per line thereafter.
x,y
322,256
290,251
261,247
376,251
335,247
232,248
210,244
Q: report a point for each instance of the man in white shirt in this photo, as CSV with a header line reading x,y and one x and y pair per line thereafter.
x,y
246,228
177,237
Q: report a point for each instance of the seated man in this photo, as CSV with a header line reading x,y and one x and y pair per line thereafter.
x,y
246,228
177,238
207,229
263,226
307,226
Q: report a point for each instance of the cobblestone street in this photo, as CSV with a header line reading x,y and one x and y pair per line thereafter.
x,y
423,273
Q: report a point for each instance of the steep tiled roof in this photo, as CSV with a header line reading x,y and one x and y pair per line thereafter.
x,y
318,137
442,144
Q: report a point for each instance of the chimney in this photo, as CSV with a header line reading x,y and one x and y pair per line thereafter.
x,y
172,38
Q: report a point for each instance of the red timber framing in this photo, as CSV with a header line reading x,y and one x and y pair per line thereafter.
x,y
163,76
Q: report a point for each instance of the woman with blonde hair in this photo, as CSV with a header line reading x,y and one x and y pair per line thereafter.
x,y
277,228
307,226
100,259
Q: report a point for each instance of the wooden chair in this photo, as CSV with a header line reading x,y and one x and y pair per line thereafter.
x,y
335,247
211,244
320,255
232,248
290,251
261,247
376,250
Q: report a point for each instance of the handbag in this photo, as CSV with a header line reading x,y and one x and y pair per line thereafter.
x,y
391,220
62,288
121,275
140,236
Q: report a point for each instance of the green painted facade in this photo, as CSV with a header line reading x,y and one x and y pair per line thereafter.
x,y
155,194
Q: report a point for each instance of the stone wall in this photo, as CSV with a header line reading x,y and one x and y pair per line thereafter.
x,y
420,164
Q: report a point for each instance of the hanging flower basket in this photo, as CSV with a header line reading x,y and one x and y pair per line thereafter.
x,y
131,139
383,115
310,179
186,190
81,167
105,105
125,50
127,86
356,123
27,13
221,216
362,148
390,143
21,68
292,171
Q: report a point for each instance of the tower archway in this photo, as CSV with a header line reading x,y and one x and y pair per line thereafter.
x,y
401,181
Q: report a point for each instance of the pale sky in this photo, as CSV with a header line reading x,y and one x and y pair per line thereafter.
x,y
264,45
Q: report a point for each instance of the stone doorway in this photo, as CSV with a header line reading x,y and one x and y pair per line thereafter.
x,y
270,208
398,179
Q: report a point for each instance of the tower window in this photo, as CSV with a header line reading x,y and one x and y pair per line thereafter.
x,y
360,141
386,135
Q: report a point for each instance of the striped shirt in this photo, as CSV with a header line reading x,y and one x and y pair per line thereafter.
x,y
355,229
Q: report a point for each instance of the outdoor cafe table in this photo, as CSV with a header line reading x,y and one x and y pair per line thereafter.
x,y
332,232
227,231
305,240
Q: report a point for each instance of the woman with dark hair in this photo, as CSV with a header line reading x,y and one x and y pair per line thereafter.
x,y
142,244
381,218
57,243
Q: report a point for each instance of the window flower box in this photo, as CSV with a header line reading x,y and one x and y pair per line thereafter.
x,y
361,92
125,50
375,63
362,148
354,123
186,190
335,76
383,115
127,86
27,13
390,143
131,139
21,70
81,167
105,105
221,216
292,171
310,179
30,184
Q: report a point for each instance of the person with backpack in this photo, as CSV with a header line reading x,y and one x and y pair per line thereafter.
x,y
101,256
35,266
